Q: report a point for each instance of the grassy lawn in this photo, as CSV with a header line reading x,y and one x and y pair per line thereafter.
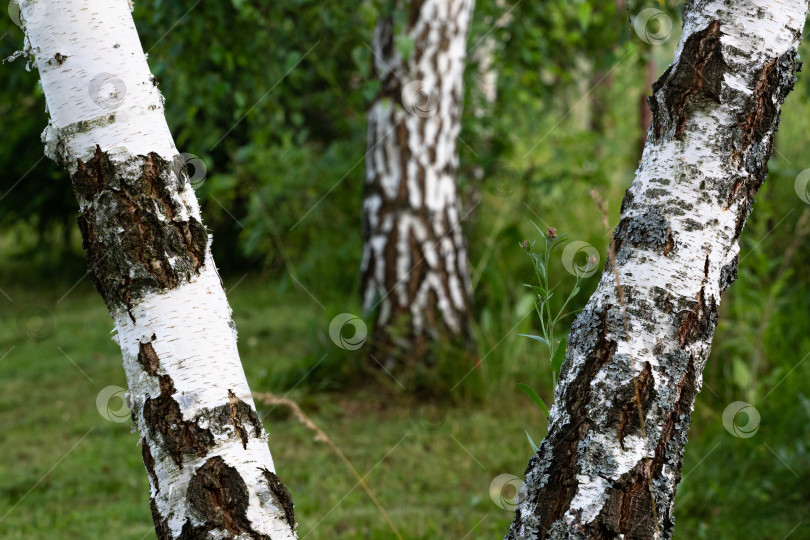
x,y
67,472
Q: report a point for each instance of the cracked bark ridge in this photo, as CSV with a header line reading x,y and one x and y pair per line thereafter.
x,y
282,496
137,231
695,81
414,270
716,110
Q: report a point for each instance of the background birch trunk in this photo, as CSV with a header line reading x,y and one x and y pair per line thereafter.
x,y
203,444
414,269
601,472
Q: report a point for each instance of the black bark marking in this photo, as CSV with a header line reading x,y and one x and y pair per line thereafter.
x,y
149,462
242,413
669,245
147,358
134,238
282,496
773,83
178,437
626,412
728,274
219,499
755,129
699,322
162,416
696,80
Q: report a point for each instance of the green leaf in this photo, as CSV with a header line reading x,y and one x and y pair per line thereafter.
x,y
740,373
534,397
536,338
535,447
584,15
540,266
404,44
559,355
539,291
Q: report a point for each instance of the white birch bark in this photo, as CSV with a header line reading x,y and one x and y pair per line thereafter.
x,y
414,269
715,112
204,446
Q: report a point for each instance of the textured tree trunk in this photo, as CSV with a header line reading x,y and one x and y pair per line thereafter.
x,y
602,472
414,269
203,444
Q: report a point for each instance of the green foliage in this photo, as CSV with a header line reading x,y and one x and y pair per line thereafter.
x,y
548,316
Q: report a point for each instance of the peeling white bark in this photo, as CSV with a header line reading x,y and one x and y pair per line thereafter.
x,y
415,260
204,447
715,112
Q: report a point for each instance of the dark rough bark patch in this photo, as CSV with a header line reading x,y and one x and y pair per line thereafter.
x,y
414,9
218,499
628,509
561,486
755,129
147,358
390,83
149,462
728,274
650,230
699,322
695,80
627,407
773,83
162,416
135,243
282,496
242,413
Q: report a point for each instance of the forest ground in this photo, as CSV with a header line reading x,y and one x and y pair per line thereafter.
x,y
69,473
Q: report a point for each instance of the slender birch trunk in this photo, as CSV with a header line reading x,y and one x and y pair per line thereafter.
x,y
601,472
414,269
203,444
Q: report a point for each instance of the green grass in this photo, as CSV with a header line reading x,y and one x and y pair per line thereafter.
x,y
67,472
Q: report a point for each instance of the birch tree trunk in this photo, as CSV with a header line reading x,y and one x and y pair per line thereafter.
x,y
602,472
203,444
414,269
